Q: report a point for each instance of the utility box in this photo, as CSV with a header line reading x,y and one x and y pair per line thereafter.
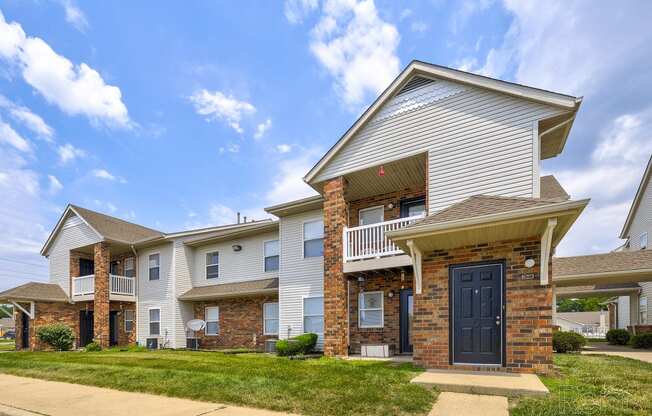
x,y
375,351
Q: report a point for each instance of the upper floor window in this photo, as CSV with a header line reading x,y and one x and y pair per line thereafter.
x,y
130,267
154,266
371,215
155,321
212,265
270,318
313,238
86,267
271,255
212,317
370,310
412,207
643,241
642,310
313,315
113,267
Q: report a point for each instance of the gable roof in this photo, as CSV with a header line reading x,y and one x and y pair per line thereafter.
x,y
637,199
423,69
603,264
34,291
551,189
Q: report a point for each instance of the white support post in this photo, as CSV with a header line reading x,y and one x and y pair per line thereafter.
x,y
29,313
415,254
546,243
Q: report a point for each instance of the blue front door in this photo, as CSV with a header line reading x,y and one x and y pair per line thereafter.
x,y
477,308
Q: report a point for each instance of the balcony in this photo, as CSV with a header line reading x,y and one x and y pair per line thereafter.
x,y
120,287
366,247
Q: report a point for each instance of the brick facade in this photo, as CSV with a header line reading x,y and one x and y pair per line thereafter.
x,y
528,316
335,302
240,325
102,257
393,198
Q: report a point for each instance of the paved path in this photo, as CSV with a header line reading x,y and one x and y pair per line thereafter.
x,y
20,396
482,382
620,351
460,404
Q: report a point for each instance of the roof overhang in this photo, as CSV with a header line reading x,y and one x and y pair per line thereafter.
x,y
232,290
231,234
580,292
69,209
610,277
624,233
296,207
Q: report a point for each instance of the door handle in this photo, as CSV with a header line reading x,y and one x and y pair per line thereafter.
x,y
498,320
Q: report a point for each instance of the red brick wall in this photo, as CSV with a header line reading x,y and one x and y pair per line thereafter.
x,y
390,333
335,307
528,317
394,198
241,319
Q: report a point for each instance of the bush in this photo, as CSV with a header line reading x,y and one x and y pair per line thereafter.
x,y
59,336
303,344
93,347
564,342
618,337
642,341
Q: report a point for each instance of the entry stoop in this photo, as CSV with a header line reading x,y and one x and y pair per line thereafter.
x,y
476,382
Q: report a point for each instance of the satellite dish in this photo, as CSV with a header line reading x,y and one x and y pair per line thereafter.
x,y
196,325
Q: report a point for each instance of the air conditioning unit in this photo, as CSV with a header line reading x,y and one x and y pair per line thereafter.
x,y
375,351
192,343
152,343
270,345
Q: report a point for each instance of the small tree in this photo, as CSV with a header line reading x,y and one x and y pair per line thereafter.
x,y
59,336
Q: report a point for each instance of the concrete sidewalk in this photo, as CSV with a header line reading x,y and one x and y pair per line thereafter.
x,y
21,396
460,404
482,382
620,351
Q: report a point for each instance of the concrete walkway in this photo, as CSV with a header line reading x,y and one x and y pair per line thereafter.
x,y
478,382
620,351
20,396
460,404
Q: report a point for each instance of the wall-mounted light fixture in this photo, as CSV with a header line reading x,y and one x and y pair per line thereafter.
x,y
391,294
529,263
236,247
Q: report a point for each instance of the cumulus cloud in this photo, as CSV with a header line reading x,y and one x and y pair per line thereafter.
x,y
69,153
54,185
231,148
9,136
288,184
296,10
263,128
25,116
215,105
74,15
106,175
357,48
283,148
75,89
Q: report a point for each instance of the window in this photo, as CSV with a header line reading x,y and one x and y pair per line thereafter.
x,y
643,241
155,322
642,310
212,265
212,318
113,267
86,267
271,256
370,310
270,318
412,207
154,266
313,239
313,315
130,267
129,320
371,215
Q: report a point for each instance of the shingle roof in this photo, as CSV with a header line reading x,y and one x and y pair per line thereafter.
x,y
231,289
602,263
552,190
33,291
113,228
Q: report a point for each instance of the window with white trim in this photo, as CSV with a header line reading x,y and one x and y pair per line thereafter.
x,y
313,315
313,238
154,266
212,318
271,255
130,267
372,215
212,265
643,241
155,322
642,310
270,318
130,317
370,310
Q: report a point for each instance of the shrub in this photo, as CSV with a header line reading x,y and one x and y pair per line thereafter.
x,y
563,342
302,344
59,336
93,347
618,337
642,341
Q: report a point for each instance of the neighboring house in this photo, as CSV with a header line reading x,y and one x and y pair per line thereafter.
x,y
590,324
431,235
6,325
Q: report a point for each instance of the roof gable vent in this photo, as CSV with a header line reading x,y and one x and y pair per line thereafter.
x,y
414,83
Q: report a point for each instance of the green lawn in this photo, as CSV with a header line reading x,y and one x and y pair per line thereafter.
x,y
593,385
7,345
312,387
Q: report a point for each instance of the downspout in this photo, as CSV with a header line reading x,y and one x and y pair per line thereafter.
x,y
415,254
546,243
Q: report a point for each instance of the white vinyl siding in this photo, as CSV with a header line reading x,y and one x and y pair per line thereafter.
x,y
478,142
642,219
73,234
642,310
299,277
623,311
158,294
642,241
646,292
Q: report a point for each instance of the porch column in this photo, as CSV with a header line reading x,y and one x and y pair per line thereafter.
x,y
101,302
335,296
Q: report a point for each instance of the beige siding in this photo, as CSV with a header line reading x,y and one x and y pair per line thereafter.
x,y
478,142
298,277
74,234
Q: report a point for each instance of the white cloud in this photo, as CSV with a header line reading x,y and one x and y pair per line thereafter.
x,y
217,106
55,185
231,148
466,9
263,128
75,89
296,10
9,136
357,48
283,148
68,153
74,15
25,116
288,185
106,175
419,27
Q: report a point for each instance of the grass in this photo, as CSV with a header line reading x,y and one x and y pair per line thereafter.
x,y
312,387
593,385
7,345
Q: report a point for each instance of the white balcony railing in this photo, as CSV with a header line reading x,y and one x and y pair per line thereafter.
x,y
370,241
119,285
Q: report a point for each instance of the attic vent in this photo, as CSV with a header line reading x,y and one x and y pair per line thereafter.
x,y
416,82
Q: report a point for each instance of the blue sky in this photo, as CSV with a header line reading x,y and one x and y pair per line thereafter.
x,y
177,117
